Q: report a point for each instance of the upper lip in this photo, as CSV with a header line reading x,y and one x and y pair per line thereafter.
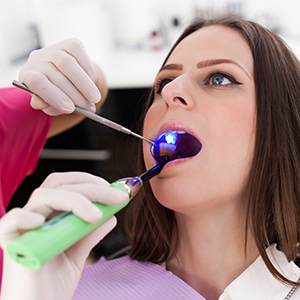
x,y
175,125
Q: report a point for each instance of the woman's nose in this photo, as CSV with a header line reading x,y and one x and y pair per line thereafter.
x,y
177,93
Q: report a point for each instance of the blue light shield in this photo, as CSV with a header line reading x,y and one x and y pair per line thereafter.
x,y
186,144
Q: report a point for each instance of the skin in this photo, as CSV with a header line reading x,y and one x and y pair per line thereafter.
x,y
207,191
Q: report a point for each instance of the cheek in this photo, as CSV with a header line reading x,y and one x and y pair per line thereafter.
x,y
230,142
147,122
235,124
150,130
154,114
244,123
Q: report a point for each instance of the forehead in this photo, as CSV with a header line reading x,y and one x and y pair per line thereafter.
x,y
214,42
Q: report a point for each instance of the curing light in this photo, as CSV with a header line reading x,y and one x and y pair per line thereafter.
x,y
180,143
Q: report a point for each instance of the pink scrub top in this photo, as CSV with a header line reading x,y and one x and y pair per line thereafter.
x,y
23,133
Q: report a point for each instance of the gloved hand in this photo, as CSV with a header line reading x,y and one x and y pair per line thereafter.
x,y
58,278
61,76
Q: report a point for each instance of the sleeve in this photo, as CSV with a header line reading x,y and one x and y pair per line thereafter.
x,y
23,133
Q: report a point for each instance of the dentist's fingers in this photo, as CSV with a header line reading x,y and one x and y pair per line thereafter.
x,y
71,59
74,191
15,221
38,103
70,89
40,85
69,66
57,179
63,76
57,91
102,193
46,201
76,49
76,199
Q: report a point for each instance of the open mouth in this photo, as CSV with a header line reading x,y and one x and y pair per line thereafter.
x,y
179,144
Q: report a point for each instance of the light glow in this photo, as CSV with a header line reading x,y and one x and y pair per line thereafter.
x,y
171,138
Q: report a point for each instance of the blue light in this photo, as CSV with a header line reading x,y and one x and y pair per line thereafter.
x,y
171,138
134,181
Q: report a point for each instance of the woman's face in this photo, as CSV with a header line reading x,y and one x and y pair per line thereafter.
x,y
207,89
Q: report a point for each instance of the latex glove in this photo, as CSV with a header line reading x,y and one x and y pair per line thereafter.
x,y
62,75
58,278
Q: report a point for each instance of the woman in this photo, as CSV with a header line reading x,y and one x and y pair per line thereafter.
x,y
210,226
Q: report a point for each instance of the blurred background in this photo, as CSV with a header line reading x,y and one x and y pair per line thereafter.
x,y
129,40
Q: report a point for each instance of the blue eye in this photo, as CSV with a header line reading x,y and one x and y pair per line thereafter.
x,y
221,79
161,83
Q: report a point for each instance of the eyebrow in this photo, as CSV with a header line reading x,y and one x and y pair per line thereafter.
x,y
176,67
204,64
213,62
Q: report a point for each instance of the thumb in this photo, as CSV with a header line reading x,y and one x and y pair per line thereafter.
x,y
15,221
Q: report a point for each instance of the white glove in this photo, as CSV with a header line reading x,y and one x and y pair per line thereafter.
x,y
58,278
61,76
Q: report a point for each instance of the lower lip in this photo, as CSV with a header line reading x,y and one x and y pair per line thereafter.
x,y
176,162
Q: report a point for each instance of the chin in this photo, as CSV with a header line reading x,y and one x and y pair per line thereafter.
x,y
172,195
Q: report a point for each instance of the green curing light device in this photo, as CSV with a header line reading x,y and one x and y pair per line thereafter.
x,y
36,247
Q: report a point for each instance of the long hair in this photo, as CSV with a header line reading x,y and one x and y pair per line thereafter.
x,y
273,213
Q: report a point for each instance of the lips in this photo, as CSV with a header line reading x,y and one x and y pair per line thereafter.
x,y
182,143
175,126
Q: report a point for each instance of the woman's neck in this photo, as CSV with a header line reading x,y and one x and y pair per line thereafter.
x,y
211,249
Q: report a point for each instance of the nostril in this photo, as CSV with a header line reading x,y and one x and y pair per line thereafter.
x,y
182,101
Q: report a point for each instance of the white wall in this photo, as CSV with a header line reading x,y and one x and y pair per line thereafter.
x,y
103,24
16,35
115,21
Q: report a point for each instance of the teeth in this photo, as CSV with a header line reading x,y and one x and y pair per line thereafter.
x,y
177,131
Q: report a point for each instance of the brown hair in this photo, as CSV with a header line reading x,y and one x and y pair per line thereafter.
x,y
273,212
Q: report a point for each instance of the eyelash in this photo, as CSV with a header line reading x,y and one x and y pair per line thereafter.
x,y
161,82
